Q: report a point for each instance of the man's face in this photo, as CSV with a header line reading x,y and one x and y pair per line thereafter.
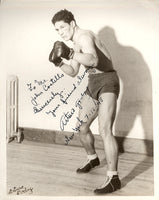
x,y
65,30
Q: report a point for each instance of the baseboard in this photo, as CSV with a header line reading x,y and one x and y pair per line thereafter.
x,y
130,145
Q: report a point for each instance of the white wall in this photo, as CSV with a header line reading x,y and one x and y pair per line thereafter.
x,y
128,29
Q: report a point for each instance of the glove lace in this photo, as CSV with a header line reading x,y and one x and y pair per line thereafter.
x,y
71,54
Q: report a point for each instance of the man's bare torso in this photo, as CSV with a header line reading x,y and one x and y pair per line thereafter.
x,y
97,43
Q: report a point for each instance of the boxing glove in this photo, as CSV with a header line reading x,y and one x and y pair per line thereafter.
x,y
54,57
62,50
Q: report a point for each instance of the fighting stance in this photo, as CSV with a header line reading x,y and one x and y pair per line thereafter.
x,y
103,84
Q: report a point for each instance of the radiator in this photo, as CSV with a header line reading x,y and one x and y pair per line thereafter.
x,y
12,110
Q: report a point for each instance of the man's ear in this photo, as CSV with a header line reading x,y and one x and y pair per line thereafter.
x,y
72,23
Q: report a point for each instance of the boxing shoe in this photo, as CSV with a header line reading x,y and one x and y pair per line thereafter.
x,y
88,165
110,185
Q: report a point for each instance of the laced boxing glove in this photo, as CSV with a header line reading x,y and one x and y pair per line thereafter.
x,y
62,50
54,57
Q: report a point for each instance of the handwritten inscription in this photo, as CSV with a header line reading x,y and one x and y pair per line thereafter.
x,y
46,87
52,81
48,101
68,95
34,98
68,138
54,110
45,97
45,84
65,118
21,190
80,122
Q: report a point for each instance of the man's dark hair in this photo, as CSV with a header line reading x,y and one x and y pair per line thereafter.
x,y
63,15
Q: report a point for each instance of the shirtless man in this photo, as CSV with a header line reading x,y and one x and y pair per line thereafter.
x,y
103,84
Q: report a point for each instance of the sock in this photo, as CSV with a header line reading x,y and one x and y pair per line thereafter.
x,y
112,173
92,157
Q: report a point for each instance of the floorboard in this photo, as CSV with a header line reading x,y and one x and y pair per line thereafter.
x,y
50,169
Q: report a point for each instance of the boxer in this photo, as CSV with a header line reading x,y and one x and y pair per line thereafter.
x,y
103,83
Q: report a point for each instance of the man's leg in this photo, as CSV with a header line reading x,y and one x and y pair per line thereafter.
x,y
106,117
87,114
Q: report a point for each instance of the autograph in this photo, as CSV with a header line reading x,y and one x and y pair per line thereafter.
x,y
21,190
40,88
46,84
44,96
65,118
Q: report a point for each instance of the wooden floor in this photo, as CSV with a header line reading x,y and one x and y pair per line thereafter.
x,y
50,169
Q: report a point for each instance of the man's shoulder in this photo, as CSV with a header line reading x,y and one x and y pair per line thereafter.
x,y
86,35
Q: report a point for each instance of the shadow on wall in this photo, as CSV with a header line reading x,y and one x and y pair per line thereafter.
x,y
136,95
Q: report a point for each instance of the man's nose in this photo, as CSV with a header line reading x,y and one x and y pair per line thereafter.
x,y
60,32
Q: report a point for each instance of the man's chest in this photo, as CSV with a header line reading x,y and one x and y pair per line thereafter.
x,y
77,48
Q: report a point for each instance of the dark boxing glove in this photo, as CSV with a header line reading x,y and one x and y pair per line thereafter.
x,y
54,57
63,50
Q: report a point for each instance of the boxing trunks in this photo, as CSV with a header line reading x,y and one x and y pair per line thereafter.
x,y
106,82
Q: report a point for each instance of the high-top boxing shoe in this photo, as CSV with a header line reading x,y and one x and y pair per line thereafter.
x,y
110,185
88,165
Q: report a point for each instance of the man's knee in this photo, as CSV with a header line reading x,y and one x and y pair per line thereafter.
x,y
105,129
83,132
82,128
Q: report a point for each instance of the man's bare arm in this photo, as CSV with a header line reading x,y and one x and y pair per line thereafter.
x,y
88,57
72,69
